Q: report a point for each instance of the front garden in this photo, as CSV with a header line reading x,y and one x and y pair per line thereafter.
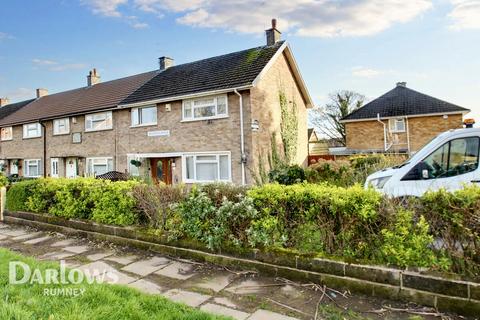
x,y
438,232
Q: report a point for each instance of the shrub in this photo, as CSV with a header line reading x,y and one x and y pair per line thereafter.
x,y
3,180
18,195
287,175
220,191
338,172
155,202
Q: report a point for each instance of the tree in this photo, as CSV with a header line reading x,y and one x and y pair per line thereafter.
x,y
327,119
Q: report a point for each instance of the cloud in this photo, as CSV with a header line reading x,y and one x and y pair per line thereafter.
x,y
56,66
20,94
465,14
108,8
5,36
364,72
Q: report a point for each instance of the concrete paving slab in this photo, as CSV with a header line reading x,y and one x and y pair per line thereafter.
x,y
27,236
146,286
177,270
37,240
224,311
76,249
14,232
146,267
248,286
123,260
269,315
225,302
216,282
57,255
64,243
3,225
104,273
99,255
3,237
191,299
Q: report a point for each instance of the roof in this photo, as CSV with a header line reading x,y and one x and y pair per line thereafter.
x,y
103,95
403,101
8,109
227,71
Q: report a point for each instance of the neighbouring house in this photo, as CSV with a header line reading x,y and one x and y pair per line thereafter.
x,y
208,120
402,120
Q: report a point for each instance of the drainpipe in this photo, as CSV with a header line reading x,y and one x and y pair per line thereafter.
x,y
384,132
242,138
44,133
408,135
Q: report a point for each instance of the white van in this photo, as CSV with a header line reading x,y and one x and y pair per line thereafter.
x,y
449,161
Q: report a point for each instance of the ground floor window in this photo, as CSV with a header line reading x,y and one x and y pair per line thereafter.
x,y
32,168
206,167
98,166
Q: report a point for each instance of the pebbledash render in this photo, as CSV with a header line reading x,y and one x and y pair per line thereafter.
x,y
209,120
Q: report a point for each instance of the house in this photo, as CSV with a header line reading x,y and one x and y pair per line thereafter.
x,y
208,120
402,120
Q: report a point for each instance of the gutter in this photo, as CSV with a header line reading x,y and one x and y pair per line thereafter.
x,y
44,133
242,138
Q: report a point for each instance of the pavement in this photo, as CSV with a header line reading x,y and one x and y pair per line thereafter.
x,y
240,294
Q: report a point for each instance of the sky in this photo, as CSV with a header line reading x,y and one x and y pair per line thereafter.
x,y
362,45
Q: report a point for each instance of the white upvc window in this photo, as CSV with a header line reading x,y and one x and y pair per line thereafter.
x,y
98,121
144,116
33,168
32,130
99,165
61,126
205,108
6,133
397,125
206,167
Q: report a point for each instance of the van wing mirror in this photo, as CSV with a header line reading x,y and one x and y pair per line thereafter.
x,y
418,172
425,174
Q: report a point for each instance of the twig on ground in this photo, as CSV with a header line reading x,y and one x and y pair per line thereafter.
x,y
288,307
319,301
432,312
241,273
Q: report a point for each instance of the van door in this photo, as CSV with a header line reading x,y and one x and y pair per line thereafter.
x,y
450,167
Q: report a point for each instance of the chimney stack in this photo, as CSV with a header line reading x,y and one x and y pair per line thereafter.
x,y
273,35
93,78
402,84
3,102
165,63
41,92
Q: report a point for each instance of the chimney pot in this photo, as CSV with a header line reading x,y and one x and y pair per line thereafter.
x,y
93,78
402,84
273,35
3,102
41,92
165,63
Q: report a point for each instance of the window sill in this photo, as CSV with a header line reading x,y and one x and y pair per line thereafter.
x,y
397,131
6,140
61,134
204,119
144,125
206,181
86,131
36,137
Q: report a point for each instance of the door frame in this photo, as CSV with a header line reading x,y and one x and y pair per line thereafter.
x,y
57,162
166,168
66,167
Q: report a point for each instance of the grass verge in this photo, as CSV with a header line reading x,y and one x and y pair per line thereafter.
x,y
100,301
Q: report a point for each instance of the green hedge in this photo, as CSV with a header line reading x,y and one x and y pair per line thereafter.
x,y
82,198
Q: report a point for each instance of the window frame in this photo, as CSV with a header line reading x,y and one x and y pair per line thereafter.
x,y
26,130
90,170
107,113
192,102
195,161
26,171
395,127
67,126
11,134
139,116
55,161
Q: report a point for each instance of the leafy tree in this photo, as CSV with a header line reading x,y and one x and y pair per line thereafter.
x,y
327,119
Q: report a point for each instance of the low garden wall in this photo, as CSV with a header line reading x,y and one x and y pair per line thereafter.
x,y
444,294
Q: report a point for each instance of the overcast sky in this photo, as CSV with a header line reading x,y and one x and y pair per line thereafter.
x,y
361,45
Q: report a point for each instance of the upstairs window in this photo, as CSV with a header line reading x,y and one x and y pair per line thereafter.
x,y
205,108
32,130
6,134
61,126
98,121
397,125
144,116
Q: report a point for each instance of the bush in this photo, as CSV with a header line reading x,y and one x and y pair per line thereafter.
x,y
18,195
287,175
3,180
218,192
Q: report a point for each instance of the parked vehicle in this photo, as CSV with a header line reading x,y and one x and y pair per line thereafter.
x,y
449,161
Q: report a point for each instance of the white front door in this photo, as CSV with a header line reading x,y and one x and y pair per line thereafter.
x,y
13,166
71,168
54,167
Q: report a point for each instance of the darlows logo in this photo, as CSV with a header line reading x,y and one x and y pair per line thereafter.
x,y
21,273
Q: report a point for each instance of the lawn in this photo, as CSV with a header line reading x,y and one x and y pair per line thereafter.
x,y
100,301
